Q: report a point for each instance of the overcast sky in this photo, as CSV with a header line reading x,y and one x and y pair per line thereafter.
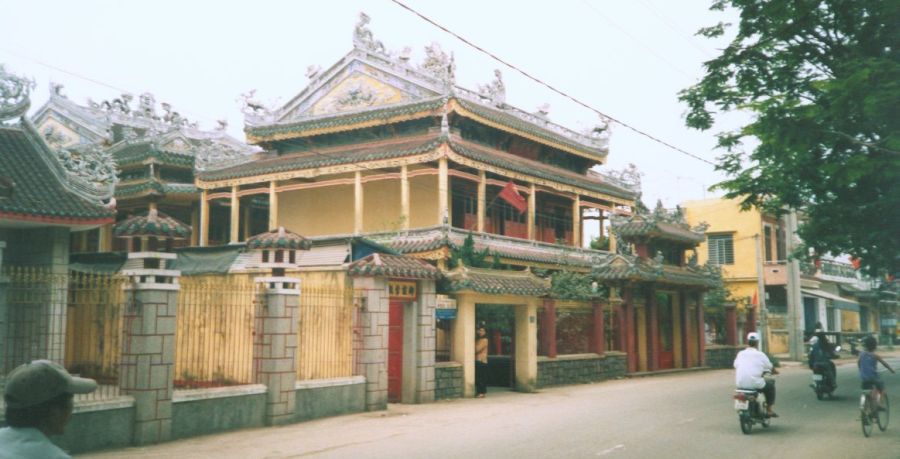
x,y
625,58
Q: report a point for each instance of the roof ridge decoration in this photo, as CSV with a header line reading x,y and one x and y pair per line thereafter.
x,y
154,224
15,95
660,223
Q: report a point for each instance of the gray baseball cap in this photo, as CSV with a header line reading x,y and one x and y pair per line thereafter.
x,y
42,380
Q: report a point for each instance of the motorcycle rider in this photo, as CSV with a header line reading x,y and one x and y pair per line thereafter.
x,y
820,357
749,365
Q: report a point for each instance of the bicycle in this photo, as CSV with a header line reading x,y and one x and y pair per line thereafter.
x,y
870,413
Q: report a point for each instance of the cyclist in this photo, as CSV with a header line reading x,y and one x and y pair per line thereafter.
x,y
868,363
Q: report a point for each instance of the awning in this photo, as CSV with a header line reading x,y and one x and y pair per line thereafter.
x,y
839,301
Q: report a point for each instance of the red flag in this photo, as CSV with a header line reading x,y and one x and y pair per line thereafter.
x,y
755,301
511,195
856,262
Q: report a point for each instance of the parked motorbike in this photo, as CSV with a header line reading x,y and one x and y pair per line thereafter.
x,y
750,405
823,380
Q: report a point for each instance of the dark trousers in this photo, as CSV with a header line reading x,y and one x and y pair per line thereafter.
x,y
769,391
480,378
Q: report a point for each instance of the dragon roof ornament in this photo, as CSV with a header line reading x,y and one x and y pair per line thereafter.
x,y
495,91
363,37
90,163
15,94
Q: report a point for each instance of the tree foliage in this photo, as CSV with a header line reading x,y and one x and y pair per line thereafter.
x,y
472,257
822,80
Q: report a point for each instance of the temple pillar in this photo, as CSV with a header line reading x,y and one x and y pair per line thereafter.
x,y
195,226
611,235
247,214
204,218
653,330
105,238
628,332
576,222
599,338
482,198
443,192
730,324
526,346
275,347
404,197
532,208
235,225
273,206
548,331
357,203
462,349
701,332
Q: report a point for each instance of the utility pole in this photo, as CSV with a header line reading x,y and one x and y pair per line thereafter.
x,y
761,295
794,299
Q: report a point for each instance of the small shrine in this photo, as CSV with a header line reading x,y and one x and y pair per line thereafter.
x,y
278,251
150,240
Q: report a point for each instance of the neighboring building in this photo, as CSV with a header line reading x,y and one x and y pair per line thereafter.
x,y
380,147
42,202
156,154
749,246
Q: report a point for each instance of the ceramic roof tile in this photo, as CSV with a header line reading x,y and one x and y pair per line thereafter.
x,y
36,190
279,238
154,224
397,266
496,282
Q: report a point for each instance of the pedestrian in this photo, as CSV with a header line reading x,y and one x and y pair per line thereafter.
x,y
481,362
39,399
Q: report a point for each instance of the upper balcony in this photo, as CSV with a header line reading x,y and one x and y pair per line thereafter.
x,y
775,273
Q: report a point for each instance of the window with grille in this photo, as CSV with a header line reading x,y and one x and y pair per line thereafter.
x,y
721,249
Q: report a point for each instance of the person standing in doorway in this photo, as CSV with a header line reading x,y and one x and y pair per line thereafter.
x,y
39,399
481,361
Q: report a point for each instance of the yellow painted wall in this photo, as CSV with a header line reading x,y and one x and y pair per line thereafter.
x,y
423,201
381,206
318,211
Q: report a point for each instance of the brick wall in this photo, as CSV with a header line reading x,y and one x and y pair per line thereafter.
x,y
448,380
580,369
721,356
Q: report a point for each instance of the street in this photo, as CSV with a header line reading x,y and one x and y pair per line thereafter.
x,y
676,415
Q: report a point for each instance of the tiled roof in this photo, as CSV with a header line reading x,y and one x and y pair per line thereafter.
x,y
429,239
327,157
638,228
427,107
153,186
36,189
141,151
622,268
519,124
495,282
154,224
386,265
279,238
526,166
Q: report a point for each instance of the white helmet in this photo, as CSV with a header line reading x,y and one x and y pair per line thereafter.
x,y
752,336
813,340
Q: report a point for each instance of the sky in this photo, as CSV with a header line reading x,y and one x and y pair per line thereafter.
x,y
627,59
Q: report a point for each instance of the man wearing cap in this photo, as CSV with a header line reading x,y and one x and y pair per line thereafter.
x,y
39,398
750,364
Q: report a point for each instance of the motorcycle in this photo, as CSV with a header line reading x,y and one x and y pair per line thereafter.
x,y
823,380
750,405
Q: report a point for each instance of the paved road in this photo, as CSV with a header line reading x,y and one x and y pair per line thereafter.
x,y
684,415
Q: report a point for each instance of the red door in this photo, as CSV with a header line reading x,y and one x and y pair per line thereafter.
x,y
666,346
395,351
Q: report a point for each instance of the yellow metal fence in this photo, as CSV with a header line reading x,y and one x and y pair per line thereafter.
x,y
328,333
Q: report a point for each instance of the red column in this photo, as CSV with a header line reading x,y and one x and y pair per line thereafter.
x,y
549,329
751,319
630,347
652,332
599,339
730,325
685,329
701,332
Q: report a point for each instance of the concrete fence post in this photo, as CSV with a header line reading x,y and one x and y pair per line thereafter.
x,y
275,346
148,347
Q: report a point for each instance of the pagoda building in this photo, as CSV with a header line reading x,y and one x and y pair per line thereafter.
x,y
156,152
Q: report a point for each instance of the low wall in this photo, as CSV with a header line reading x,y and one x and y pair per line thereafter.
x,y
580,368
448,380
718,356
330,397
205,411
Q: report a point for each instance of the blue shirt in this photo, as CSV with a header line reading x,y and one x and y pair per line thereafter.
x,y
27,443
867,364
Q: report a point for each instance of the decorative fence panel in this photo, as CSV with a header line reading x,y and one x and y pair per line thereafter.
x,y
214,335
33,326
328,341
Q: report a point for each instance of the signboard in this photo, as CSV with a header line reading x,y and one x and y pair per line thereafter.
x,y
403,289
445,307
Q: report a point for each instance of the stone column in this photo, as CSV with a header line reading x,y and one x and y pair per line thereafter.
x,y
599,335
526,346
425,321
730,324
482,198
548,333
235,226
462,348
404,197
275,346
148,351
653,331
373,293
273,206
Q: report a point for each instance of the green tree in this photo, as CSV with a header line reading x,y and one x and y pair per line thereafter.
x,y
714,302
822,81
472,257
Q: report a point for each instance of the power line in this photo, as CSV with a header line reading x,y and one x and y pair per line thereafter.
x,y
549,86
